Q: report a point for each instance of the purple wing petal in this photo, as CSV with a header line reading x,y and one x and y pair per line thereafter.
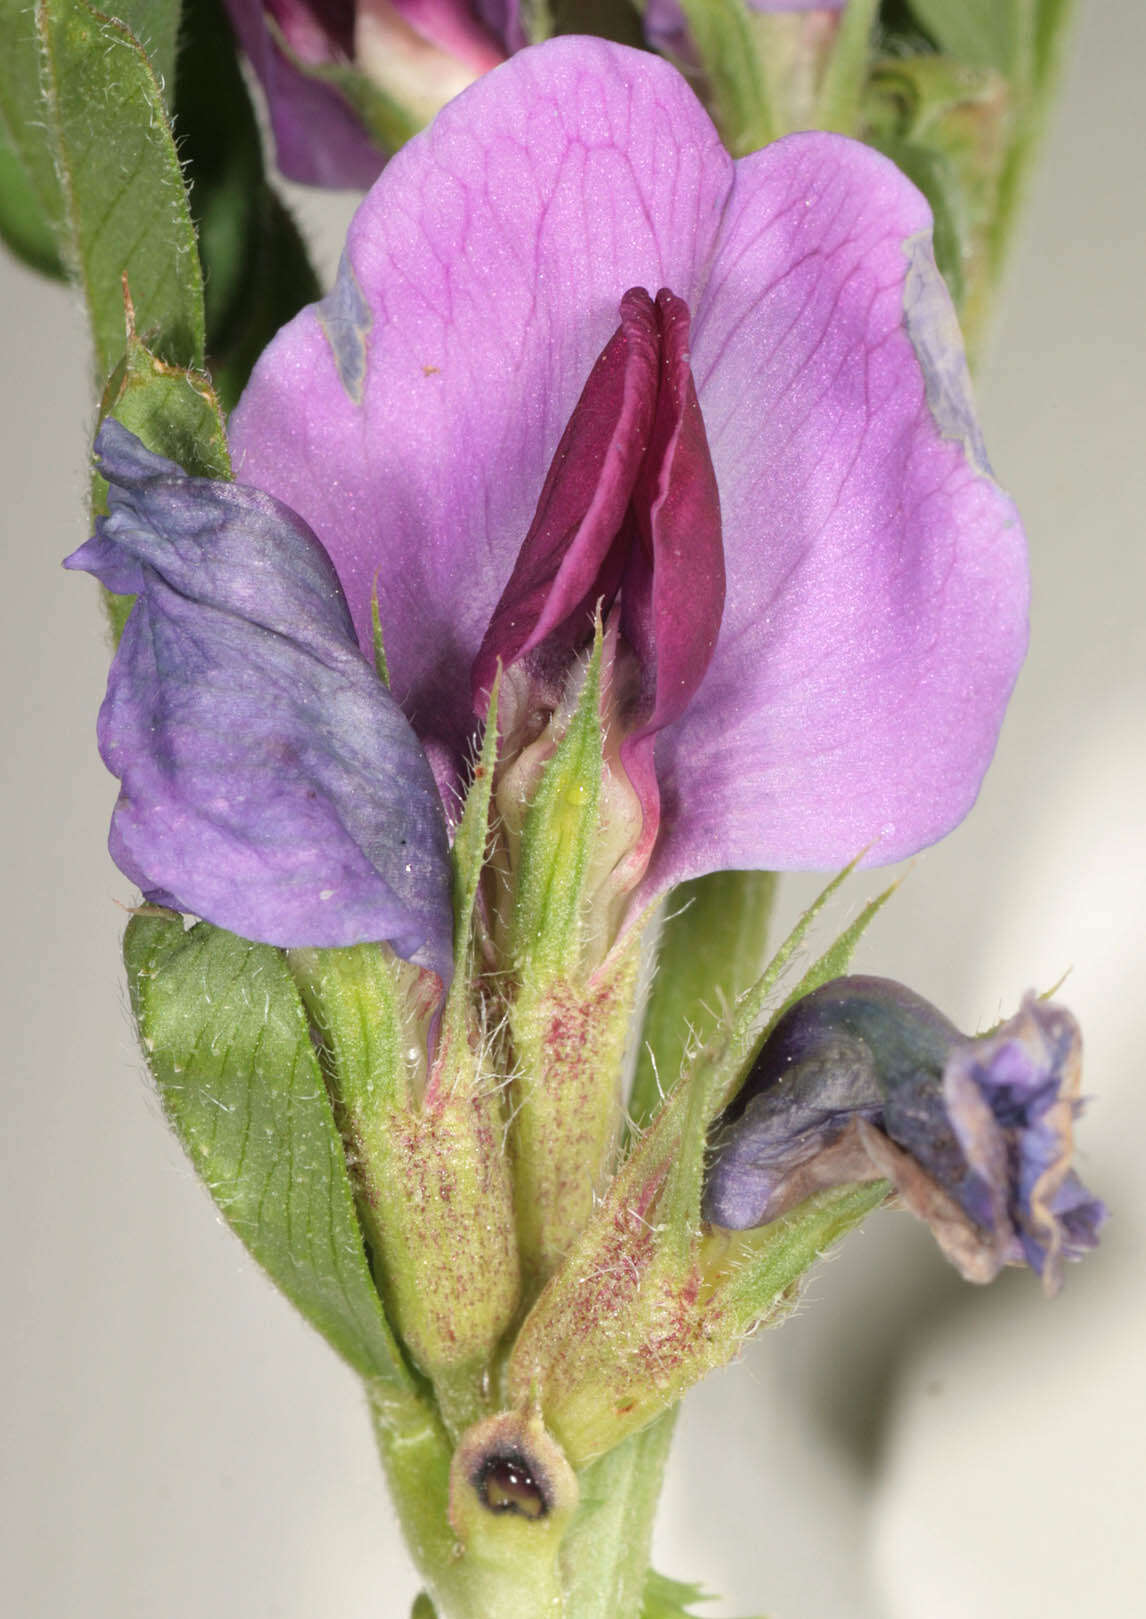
x,y
319,140
486,267
269,780
876,610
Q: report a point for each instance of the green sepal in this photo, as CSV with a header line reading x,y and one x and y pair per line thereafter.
x,y
647,1301
226,1038
171,410
711,949
425,1143
106,115
256,271
719,1071
558,838
572,986
468,854
381,667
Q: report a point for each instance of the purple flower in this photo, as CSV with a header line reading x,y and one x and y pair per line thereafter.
x,y
269,781
417,53
839,680
865,1080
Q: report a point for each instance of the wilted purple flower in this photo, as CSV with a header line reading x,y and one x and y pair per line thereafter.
x,y
417,53
864,1080
875,610
321,825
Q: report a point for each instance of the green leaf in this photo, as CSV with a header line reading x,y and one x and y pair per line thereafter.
x,y
125,206
155,24
227,1039
31,213
24,225
255,266
665,1598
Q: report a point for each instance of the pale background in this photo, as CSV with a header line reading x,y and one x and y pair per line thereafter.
x,y
177,1444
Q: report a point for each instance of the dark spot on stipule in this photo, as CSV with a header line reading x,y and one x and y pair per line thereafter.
x,y
506,1483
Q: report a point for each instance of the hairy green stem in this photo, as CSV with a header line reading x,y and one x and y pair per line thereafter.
x,y
606,1552
602,1564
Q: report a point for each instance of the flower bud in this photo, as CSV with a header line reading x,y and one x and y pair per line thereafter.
x,y
347,81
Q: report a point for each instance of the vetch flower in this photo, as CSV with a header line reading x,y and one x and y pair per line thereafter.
x,y
270,783
864,1080
315,58
782,328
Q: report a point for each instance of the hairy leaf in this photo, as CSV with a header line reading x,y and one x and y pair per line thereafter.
x,y
256,271
227,1040
24,225
31,204
125,206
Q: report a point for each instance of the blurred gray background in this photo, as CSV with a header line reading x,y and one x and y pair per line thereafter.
x,y
176,1443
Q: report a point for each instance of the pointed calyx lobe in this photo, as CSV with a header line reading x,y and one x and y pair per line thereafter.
x,y
628,520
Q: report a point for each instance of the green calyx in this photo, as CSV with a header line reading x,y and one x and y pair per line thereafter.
x,y
649,1299
424,1143
568,820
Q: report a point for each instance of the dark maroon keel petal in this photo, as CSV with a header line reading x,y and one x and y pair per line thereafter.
x,y
673,591
565,563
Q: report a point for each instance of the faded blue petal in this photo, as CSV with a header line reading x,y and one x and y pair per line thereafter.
x,y
1028,1075
270,783
863,1079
